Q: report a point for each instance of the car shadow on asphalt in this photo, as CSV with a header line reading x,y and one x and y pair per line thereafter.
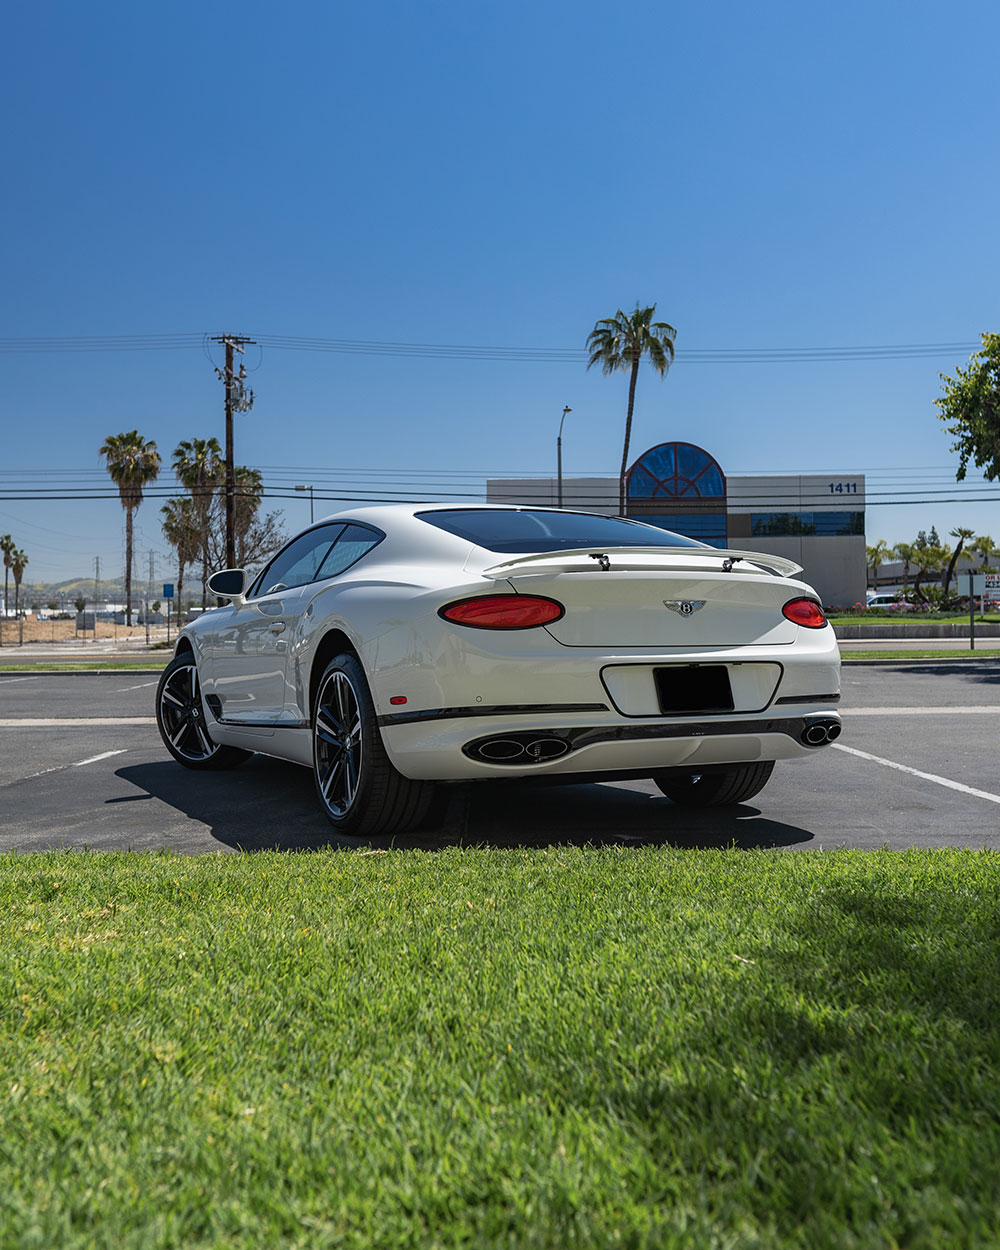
x,y
270,805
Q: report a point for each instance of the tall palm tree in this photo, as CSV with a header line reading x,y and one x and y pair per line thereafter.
x,y
181,532
7,547
132,464
619,343
200,469
18,563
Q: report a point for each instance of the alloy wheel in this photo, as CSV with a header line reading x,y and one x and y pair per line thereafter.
x,y
181,714
338,729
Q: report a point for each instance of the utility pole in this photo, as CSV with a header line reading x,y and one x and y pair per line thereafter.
x,y
149,584
238,399
97,591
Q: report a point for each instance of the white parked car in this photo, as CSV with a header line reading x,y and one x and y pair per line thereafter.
x,y
393,648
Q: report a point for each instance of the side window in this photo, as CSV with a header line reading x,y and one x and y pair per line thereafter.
x,y
299,562
348,549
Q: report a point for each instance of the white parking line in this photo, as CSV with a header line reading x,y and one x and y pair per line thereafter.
x,y
142,686
106,755
915,772
971,709
75,722
58,768
9,681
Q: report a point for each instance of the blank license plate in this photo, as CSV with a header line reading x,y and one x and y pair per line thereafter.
x,y
693,688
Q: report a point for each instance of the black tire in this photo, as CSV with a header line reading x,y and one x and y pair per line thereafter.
x,y
180,717
360,792
714,789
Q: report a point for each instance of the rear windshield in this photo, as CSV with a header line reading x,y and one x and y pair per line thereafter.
x,y
529,529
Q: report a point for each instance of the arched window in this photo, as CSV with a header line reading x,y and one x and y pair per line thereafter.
x,y
680,487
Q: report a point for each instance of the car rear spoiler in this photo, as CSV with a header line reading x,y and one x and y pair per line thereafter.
x,y
645,559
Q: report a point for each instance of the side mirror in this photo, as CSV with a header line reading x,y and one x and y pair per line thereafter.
x,y
229,584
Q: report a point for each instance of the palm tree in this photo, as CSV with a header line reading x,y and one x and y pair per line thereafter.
x,y
200,468
132,463
875,557
928,560
907,554
18,563
961,534
7,547
181,532
619,343
984,546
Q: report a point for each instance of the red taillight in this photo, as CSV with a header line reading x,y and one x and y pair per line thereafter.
x,y
805,612
503,611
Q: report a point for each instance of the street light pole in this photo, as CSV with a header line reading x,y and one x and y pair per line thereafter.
x,y
559,454
310,490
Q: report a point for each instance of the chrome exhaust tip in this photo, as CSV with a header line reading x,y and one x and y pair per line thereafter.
x,y
819,732
521,748
500,750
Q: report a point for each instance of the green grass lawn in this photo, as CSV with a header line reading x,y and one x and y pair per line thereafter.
x,y
911,618
575,1047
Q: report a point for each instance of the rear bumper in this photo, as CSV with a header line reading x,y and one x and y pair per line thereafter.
x,y
449,747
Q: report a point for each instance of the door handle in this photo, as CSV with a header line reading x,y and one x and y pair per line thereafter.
x,y
277,628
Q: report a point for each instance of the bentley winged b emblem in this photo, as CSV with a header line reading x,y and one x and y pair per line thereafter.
x,y
684,607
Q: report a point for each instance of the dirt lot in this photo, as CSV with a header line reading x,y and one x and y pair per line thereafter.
x,y
65,631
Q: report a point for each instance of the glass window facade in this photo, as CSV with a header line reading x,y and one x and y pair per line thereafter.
x,y
794,524
706,527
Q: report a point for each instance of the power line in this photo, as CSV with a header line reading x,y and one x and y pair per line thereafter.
x,y
457,351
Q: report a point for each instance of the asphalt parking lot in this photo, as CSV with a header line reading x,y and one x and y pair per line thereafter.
x,y
81,765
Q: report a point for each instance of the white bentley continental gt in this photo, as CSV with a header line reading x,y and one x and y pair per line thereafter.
x,y
393,648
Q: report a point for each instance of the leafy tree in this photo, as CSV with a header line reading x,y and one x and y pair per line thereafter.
x,y
51,607
618,344
201,469
962,535
256,538
924,540
875,556
80,602
970,409
132,464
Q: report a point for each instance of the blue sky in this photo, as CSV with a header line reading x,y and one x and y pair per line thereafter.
x,y
772,176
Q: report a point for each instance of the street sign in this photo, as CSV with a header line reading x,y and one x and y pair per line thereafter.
x,y
168,590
